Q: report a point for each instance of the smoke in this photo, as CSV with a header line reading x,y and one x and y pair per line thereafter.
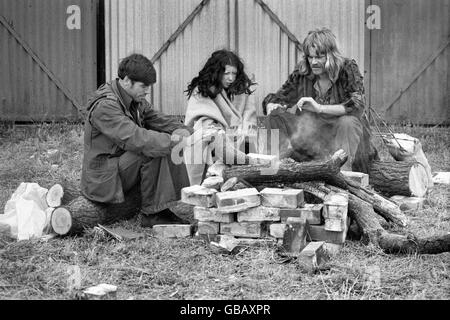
x,y
311,138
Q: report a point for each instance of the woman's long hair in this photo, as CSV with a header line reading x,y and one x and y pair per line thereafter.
x,y
323,41
209,79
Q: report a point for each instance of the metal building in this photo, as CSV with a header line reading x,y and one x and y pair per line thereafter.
x,y
180,36
48,62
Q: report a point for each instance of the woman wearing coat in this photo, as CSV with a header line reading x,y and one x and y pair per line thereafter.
x,y
220,104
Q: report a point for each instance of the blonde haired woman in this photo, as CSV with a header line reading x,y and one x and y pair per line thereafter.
x,y
326,94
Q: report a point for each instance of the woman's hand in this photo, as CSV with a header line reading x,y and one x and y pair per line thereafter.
x,y
308,103
272,106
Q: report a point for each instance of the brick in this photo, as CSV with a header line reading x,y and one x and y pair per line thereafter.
x,y
259,213
172,230
294,239
361,179
408,203
198,196
209,228
212,215
212,183
276,230
243,229
282,198
311,212
312,256
335,224
335,206
318,233
248,197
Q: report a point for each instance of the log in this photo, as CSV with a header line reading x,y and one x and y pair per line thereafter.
x,y
80,213
384,207
289,171
373,232
399,178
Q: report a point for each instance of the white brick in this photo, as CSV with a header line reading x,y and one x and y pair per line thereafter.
x,y
361,179
335,224
277,230
282,198
259,213
312,256
335,206
207,228
212,215
243,229
248,196
198,196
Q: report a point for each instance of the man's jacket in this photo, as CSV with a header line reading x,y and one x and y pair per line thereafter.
x,y
110,131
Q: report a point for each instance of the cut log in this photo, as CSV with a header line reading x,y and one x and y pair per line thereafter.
x,y
61,220
83,213
54,195
399,178
289,171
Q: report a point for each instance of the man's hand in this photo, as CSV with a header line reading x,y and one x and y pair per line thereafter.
x,y
272,106
308,103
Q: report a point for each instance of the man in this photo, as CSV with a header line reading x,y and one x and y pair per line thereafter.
x,y
321,107
126,142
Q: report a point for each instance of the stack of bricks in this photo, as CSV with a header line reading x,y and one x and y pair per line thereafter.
x,y
248,214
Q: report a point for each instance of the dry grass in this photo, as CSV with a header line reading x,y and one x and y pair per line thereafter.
x,y
152,268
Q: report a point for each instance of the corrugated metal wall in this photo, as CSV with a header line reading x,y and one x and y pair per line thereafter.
x,y
412,32
241,25
26,92
272,56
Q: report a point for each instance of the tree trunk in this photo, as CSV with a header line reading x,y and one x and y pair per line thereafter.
x,y
86,214
399,178
289,171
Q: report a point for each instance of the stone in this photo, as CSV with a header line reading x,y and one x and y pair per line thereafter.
x,y
361,179
277,230
172,230
199,196
259,213
243,229
208,228
212,215
312,256
247,198
282,198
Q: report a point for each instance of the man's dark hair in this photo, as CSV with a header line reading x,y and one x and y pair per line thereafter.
x,y
138,68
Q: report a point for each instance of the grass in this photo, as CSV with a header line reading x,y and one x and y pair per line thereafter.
x,y
152,268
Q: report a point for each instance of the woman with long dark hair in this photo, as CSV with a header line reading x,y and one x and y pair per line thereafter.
x,y
219,100
321,107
